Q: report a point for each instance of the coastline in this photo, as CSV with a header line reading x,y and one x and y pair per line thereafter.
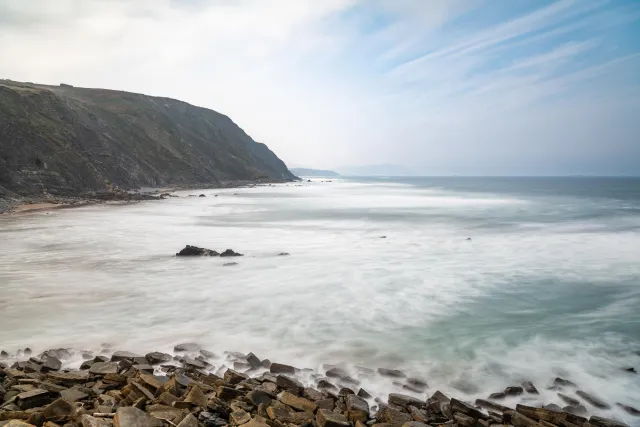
x,y
193,387
30,204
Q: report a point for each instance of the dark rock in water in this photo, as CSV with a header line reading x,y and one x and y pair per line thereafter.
x,y
529,387
292,385
491,405
629,409
497,396
575,409
202,195
87,364
207,354
631,370
459,406
598,403
196,251
326,385
253,360
27,351
124,355
193,363
336,373
513,391
412,389
51,364
364,394
403,400
229,264
394,373
191,347
552,407
596,421
561,382
266,363
570,400
279,368
229,253
3,354
156,358
383,237
283,254
233,377
417,383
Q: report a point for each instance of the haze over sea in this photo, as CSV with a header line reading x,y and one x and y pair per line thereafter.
x,y
548,285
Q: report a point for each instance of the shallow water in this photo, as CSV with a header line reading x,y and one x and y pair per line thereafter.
x,y
549,284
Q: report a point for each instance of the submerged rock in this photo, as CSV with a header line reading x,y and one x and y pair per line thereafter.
x,y
394,373
230,253
595,401
529,387
196,251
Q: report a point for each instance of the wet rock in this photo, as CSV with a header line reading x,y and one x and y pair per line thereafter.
x,y
596,421
498,396
104,368
417,383
491,405
230,253
59,410
364,394
459,406
361,370
520,420
51,364
394,373
570,400
101,358
629,409
196,251
387,414
312,394
290,384
403,400
279,368
32,399
357,408
513,391
336,373
253,360
631,370
417,414
575,409
156,358
229,264
266,363
595,401
561,382
133,417
124,355
193,363
283,254
86,364
202,195
529,387
553,407
187,347
325,418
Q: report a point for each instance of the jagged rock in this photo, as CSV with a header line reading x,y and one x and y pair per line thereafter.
x,y
89,421
325,418
335,372
189,421
387,414
553,407
86,364
312,394
156,358
357,409
18,423
257,397
418,414
552,416
193,363
328,404
59,410
464,420
459,406
230,253
104,368
403,400
51,364
73,395
32,398
394,373
596,421
196,251
298,403
595,401
253,360
187,347
629,409
529,387
290,384
228,393
324,384
279,368
364,394
133,417
491,405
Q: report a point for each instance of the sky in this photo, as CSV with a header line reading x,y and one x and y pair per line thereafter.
x,y
443,87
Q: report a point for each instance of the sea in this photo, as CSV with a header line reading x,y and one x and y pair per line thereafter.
x,y
471,284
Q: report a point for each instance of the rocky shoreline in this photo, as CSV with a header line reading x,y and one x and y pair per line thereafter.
x,y
25,204
194,387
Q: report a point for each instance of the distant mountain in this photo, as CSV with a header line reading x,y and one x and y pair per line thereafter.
x,y
63,140
376,170
313,172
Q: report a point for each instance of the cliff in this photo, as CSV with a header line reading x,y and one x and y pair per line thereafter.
x,y
62,140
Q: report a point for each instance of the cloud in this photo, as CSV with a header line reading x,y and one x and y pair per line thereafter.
x,y
446,86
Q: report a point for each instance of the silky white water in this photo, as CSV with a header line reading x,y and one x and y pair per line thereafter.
x,y
548,286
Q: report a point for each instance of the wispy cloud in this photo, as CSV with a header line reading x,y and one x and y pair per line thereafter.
x,y
444,86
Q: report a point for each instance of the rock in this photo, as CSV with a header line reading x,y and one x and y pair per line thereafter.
x,y
229,264
238,418
266,363
18,423
596,421
278,368
630,370
156,358
325,418
459,406
324,384
298,403
290,384
336,373
73,395
575,409
32,398
529,387
464,420
189,421
513,391
69,378
361,370
257,397
253,360
230,253
520,420
417,383
89,421
202,195
629,409
312,394
233,377
283,254
387,414
570,400
51,364
403,400
228,393
357,408
598,403
364,394
86,364
553,407
491,405
196,251
394,373
554,417
59,410
193,363
497,396
328,404
560,382
196,397
133,417
104,368
124,355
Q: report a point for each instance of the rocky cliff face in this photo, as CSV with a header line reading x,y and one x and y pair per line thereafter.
x,y
68,141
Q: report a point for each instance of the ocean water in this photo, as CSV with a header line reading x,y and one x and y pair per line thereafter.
x,y
548,285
